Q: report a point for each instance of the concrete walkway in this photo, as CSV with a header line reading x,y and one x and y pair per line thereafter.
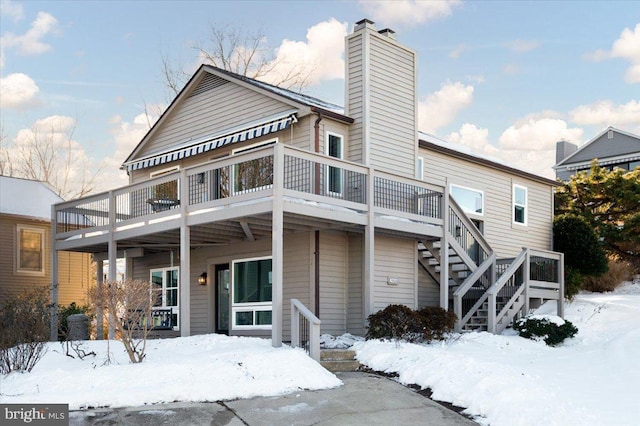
x,y
365,399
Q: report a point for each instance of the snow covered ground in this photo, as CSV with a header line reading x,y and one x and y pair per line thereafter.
x,y
199,368
592,379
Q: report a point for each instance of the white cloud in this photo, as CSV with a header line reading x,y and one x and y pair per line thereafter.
x,y
472,136
320,56
10,9
522,46
455,53
627,46
18,91
440,108
408,12
30,43
606,113
538,133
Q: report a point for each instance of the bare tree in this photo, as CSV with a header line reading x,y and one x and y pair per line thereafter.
x,y
47,152
129,304
247,54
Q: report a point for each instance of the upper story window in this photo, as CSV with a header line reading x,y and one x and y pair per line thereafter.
x,y
471,200
252,175
520,204
334,148
167,191
30,250
420,168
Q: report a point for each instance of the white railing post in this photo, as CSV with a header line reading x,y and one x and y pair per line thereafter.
x,y
561,289
298,308
526,271
457,309
491,315
295,325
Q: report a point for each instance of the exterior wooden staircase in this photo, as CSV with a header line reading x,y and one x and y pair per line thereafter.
x,y
486,293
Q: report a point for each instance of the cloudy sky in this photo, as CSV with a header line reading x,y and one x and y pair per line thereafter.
x,y
508,79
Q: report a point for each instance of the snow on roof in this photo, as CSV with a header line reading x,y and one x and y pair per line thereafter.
x,y
26,197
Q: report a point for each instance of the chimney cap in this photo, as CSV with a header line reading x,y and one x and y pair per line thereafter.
x,y
388,32
364,23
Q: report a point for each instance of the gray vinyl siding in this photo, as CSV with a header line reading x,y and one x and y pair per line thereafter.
x,y
603,147
354,96
381,97
393,107
74,269
210,113
297,275
428,290
394,258
333,282
355,319
505,237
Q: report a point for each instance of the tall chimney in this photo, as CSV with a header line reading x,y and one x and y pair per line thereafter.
x,y
381,96
564,149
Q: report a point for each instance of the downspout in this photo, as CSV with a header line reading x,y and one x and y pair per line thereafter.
x,y
316,128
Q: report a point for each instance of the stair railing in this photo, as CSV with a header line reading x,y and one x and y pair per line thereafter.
x,y
465,304
463,234
305,329
512,283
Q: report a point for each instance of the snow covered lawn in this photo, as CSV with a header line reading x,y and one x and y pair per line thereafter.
x,y
591,379
199,368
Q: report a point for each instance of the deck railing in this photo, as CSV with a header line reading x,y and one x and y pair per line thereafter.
x,y
310,176
305,329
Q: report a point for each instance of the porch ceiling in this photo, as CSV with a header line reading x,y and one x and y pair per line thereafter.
x,y
248,228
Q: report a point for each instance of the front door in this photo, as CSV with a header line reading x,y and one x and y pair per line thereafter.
x,y
222,298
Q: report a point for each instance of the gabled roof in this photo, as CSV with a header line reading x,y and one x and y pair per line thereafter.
x,y
586,145
302,103
465,153
29,198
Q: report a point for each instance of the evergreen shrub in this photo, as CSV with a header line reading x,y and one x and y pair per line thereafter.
x,y
541,328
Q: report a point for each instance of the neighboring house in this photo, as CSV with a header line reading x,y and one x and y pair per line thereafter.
x,y
245,197
25,244
613,148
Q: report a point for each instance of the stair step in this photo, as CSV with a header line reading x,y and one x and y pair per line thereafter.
x,y
340,366
339,360
337,355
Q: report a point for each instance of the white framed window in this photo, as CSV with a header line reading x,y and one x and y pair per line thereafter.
x,y
420,168
253,175
164,195
30,250
166,282
334,147
520,213
251,294
471,200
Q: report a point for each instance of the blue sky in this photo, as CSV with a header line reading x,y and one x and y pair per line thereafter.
x,y
508,79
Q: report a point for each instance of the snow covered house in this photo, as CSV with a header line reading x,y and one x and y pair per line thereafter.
x,y
613,148
25,244
251,206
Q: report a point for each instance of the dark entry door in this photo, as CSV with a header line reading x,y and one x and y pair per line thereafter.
x,y
222,298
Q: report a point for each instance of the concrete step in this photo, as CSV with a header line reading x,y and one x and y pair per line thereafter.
x,y
339,360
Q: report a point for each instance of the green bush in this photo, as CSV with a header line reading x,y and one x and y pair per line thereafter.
x,y
540,328
574,237
436,322
399,322
64,312
394,322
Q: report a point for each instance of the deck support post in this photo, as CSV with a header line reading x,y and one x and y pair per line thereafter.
x,y
185,259
369,249
54,278
277,249
112,255
99,309
444,252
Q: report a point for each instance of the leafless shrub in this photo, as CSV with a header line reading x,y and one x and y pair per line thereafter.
x,y
129,303
24,330
618,272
